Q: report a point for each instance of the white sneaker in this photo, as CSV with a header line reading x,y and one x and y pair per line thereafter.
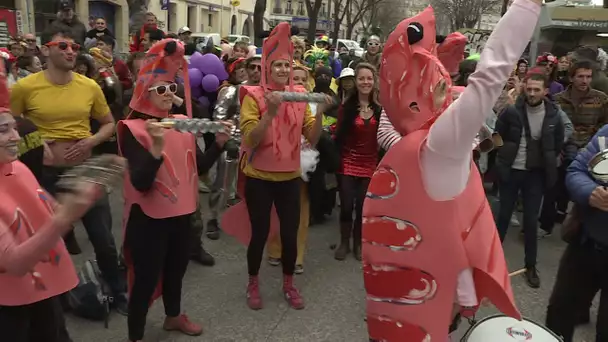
x,y
514,221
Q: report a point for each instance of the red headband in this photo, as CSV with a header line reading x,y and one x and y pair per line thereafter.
x,y
235,64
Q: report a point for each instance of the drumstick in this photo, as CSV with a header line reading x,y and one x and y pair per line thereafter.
x,y
518,272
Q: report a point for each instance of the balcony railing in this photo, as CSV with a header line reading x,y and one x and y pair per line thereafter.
x,y
289,11
277,11
301,12
323,14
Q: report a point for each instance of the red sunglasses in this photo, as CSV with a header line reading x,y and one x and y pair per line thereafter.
x,y
64,45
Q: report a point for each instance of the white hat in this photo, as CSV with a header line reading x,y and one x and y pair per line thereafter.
x,y
347,72
184,30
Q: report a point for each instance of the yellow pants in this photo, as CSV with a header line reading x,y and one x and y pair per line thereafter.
x,y
274,244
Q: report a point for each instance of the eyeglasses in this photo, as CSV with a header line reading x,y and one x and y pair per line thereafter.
x,y
30,40
255,67
373,44
64,45
163,89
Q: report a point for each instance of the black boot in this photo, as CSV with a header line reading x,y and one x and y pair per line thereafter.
x,y
203,257
71,244
213,229
344,248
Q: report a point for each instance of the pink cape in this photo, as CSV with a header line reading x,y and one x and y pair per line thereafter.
x,y
235,220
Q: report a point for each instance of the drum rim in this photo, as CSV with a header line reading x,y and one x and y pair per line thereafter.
x,y
470,330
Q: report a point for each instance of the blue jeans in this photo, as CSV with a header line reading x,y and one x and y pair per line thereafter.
x,y
531,184
98,224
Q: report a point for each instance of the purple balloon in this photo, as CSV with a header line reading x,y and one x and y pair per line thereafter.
x,y
196,61
196,91
203,101
210,83
196,77
190,66
211,64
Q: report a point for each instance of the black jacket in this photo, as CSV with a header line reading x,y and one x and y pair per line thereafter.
x,y
510,126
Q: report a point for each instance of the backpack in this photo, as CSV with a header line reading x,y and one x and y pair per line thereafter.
x,y
91,298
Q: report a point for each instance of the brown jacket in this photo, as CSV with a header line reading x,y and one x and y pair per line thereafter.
x,y
588,113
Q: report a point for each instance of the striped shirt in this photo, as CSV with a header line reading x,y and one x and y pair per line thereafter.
x,y
387,135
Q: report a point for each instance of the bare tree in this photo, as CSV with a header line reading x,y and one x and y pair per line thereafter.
x,y
258,20
388,14
355,12
312,7
464,13
338,18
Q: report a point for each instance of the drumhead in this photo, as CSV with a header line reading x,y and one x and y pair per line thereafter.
x,y
501,328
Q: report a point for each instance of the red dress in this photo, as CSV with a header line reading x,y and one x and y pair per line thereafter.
x,y
359,155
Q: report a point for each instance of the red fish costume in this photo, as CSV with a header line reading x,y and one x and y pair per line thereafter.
x,y
279,150
413,258
24,210
175,189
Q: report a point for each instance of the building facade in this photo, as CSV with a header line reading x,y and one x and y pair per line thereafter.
x,y
216,16
212,16
295,13
564,25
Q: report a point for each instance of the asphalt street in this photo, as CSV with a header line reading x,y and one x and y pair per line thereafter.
x,y
333,291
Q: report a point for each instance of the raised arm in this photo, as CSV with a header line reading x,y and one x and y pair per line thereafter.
x,y
447,154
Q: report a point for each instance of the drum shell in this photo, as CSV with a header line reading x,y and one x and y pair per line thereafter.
x,y
501,328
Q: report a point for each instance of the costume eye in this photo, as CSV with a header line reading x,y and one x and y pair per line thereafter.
x,y
415,33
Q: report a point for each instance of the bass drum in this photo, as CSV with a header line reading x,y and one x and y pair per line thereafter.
x,y
501,328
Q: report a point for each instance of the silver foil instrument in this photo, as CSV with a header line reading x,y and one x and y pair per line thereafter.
x,y
303,97
193,126
106,170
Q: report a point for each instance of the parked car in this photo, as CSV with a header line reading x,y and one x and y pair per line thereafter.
x,y
233,38
200,39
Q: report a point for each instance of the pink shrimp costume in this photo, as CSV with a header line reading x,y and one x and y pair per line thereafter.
x,y
175,189
279,150
25,209
451,51
412,257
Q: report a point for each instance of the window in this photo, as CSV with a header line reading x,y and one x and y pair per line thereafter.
x,y
300,8
210,24
323,9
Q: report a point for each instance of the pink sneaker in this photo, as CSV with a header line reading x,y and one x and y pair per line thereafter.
x,y
292,295
182,323
254,301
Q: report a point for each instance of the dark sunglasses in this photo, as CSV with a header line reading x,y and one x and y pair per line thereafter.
x,y
255,67
30,40
163,89
64,45
373,44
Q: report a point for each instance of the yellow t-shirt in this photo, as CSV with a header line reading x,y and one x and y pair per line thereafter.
x,y
250,117
61,112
